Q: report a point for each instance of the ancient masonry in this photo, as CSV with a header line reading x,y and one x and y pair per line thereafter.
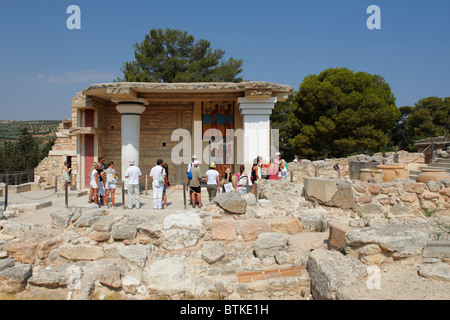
x,y
135,121
317,241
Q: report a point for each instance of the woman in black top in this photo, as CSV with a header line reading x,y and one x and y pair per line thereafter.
x,y
227,177
254,173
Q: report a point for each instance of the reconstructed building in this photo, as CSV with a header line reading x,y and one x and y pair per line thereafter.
x,y
149,121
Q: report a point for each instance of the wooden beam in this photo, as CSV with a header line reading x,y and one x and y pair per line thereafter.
x,y
156,96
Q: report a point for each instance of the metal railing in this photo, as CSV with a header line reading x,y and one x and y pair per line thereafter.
x,y
17,178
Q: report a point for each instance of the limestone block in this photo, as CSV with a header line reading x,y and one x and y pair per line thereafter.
x,y
213,251
168,276
61,218
231,202
374,188
269,244
24,250
223,229
332,275
80,252
435,271
285,224
124,233
396,240
330,192
14,279
414,187
252,228
336,238
409,197
182,230
48,278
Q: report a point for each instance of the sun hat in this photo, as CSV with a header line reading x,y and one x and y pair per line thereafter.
x,y
132,162
213,165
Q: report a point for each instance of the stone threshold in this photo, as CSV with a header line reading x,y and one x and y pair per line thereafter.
x,y
247,277
23,207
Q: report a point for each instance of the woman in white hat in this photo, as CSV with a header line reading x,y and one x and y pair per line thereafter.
x,y
212,181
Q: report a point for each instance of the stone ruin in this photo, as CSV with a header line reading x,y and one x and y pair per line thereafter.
x,y
320,238
285,246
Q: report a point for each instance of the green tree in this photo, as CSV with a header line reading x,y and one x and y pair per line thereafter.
x,y
175,56
46,148
283,118
8,157
400,138
27,151
341,112
429,118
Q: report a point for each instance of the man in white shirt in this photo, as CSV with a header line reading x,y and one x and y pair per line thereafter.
x,y
158,184
191,164
133,174
189,175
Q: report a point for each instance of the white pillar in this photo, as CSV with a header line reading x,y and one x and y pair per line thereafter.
x,y
256,124
131,125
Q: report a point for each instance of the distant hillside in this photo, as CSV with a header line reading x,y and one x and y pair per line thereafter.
x,y
42,130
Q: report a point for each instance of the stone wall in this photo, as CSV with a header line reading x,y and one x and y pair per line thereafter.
x,y
201,254
399,197
350,166
323,168
402,197
157,124
51,166
234,248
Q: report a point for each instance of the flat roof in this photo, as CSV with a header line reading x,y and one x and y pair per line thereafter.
x,y
154,90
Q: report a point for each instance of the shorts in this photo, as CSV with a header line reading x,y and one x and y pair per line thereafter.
x,y
94,185
110,186
196,189
165,189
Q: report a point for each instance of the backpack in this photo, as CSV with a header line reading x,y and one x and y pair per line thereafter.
x,y
189,171
161,177
285,166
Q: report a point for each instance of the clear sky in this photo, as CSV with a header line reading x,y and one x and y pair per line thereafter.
x,y
43,63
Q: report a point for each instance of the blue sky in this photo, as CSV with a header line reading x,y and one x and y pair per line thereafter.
x,y
43,64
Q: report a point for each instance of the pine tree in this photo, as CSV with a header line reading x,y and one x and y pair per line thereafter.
x,y
175,56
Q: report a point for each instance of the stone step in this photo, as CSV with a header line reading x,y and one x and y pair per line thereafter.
x,y
437,249
413,177
415,172
442,160
72,194
439,164
442,168
47,188
25,207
